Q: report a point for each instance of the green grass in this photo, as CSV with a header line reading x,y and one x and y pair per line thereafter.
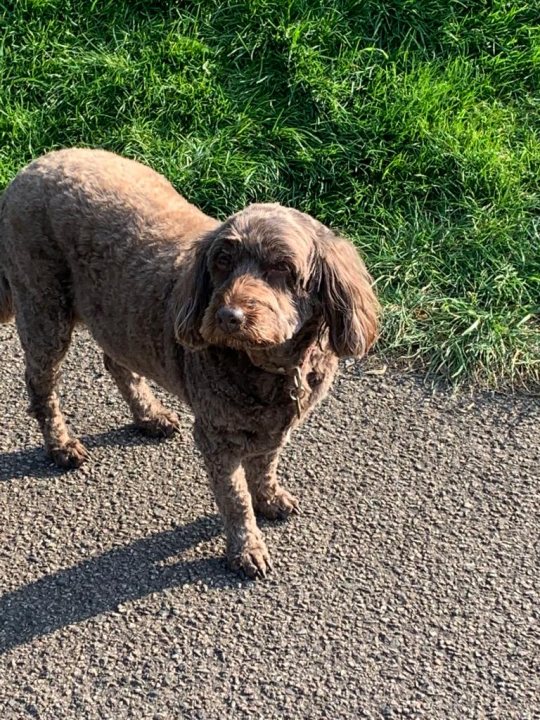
x,y
411,126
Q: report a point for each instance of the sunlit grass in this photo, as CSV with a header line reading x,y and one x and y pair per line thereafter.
x,y
412,127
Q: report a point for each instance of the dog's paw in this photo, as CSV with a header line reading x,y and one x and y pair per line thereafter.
x,y
278,505
70,455
251,558
160,424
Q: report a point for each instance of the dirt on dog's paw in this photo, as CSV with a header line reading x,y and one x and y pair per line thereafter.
x,y
161,424
279,505
252,559
70,455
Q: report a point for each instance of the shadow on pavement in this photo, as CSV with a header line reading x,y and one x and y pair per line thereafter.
x,y
100,584
33,462
27,463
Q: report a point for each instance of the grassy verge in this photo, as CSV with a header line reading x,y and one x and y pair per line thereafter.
x,y
414,127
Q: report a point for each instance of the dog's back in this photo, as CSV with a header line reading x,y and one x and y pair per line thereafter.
x,y
90,215
64,198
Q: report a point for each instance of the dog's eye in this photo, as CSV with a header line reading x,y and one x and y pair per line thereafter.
x,y
223,261
279,270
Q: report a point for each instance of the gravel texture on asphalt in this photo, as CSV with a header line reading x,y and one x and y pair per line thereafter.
x,y
407,589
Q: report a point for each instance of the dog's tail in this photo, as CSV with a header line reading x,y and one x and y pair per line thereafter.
x,y
6,300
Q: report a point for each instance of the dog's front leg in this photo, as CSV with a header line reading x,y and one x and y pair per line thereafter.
x,y
268,496
246,549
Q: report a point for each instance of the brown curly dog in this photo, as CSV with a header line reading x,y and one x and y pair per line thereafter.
x,y
244,319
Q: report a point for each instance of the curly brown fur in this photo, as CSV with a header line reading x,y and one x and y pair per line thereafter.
x,y
220,314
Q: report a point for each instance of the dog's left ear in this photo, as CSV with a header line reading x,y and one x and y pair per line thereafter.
x,y
192,294
349,304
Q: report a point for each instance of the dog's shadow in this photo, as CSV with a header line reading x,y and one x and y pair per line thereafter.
x,y
33,462
102,583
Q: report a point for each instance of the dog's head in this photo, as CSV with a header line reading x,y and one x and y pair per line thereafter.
x,y
260,276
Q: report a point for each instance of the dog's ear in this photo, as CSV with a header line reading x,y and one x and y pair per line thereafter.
x,y
350,307
192,294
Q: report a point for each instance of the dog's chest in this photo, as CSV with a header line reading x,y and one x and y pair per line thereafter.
x,y
233,396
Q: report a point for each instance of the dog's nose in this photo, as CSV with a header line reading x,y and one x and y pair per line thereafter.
x,y
230,318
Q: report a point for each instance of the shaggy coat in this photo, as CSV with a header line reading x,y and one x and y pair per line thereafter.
x,y
244,320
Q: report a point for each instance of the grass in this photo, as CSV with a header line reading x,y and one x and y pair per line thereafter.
x,y
414,127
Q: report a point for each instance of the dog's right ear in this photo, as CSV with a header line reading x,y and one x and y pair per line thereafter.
x,y
192,294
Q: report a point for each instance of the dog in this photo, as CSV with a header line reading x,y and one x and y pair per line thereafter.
x,y
244,320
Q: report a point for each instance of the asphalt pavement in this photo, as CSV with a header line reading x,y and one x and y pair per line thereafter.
x,y
409,587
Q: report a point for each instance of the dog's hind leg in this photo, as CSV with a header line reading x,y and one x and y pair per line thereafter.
x,y
149,414
45,323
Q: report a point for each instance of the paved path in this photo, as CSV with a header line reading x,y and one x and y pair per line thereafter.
x,y
408,589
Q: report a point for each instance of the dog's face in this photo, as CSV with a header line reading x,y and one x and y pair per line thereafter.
x,y
259,265
265,272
